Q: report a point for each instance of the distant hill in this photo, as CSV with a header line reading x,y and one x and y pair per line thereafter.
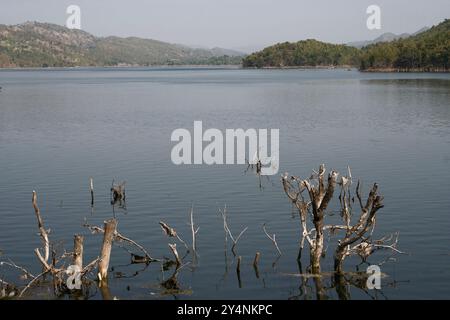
x,y
385,37
426,50
227,52
35,44
303,53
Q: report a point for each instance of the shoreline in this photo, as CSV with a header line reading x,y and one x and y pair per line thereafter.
x,y
227,67
353,68
398,70
181,66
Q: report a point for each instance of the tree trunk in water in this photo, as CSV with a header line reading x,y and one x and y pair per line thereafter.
x,y
108,237
341,287
78,251
316,252
339,260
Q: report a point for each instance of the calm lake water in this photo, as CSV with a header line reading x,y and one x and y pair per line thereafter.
x,y
60,127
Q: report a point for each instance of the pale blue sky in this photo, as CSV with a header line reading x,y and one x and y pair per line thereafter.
x,y
232,23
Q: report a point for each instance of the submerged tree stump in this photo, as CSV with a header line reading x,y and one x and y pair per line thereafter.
x,y
105,254
117,192
78,251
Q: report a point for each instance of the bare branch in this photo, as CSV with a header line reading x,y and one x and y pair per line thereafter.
x,y
240,234
119,237
13,265
173,248
171,232
32,282
228,231
272,238
90,266
43,232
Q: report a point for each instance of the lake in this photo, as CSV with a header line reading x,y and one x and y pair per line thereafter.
x,y
59,127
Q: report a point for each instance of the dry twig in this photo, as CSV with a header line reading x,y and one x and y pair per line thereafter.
x,y
228,231
272,238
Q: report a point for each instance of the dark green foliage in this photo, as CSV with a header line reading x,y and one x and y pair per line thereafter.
x,y
426,51
303,53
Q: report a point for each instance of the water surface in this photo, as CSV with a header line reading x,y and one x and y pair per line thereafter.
x,y
60,127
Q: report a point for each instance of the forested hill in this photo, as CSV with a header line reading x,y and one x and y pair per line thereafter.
x,y
303,53
426,51
35,44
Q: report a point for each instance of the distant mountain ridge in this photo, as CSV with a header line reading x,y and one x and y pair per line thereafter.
x,y
35,44
385,37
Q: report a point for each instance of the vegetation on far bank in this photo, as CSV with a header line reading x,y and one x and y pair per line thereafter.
x,y
35,44
426,51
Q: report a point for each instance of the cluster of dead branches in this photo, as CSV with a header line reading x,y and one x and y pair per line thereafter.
x,y
66,269
312,196
172,233
53,263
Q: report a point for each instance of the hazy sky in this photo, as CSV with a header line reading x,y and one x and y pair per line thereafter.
x,y
232,23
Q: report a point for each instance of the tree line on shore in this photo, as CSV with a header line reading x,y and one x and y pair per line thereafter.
x,y
426,51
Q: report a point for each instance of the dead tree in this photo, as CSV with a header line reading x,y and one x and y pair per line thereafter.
x,y
358,237
319,197
78,251
119,238
108,237
53,264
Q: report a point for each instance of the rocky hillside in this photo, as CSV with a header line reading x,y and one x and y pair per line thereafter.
x,y
35,44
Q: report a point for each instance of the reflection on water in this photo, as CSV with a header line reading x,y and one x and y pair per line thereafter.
x,y
59,128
